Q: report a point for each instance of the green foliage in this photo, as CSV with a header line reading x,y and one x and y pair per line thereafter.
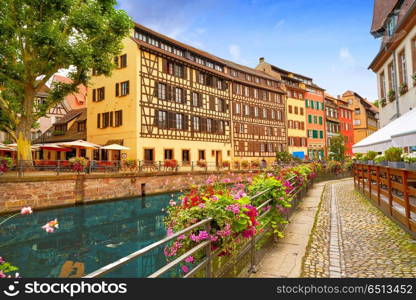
x,y
391,95
393,154
41,37
409,158
130,163
7,267
284,157
371,155
379,158
337,148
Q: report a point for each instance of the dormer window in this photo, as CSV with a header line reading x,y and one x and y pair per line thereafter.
x,y
391,25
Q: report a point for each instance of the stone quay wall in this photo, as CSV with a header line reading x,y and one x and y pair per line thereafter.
x,y
43,192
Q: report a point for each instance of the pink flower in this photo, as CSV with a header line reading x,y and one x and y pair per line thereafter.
x,y
269,174
213,238
202,205
169,232
26,211
2,261
181,237
214,198
234,208
172,203
248,233
225,232
51,226
185,269
189,259
2,275
226,180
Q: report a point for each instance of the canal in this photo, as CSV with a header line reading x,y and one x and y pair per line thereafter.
x,y
89,237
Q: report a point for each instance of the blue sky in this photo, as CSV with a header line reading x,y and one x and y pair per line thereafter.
x,y
327,40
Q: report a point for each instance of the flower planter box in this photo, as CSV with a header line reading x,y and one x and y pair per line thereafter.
x,y
383,163
370,162
364,162
396,164
410,166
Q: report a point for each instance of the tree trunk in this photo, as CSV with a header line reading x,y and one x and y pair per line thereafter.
x,y
23,130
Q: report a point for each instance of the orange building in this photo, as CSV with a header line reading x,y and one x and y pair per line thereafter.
x,y
315,121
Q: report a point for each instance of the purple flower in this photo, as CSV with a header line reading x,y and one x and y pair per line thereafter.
x,y
2,261
169,232
226,180
202,205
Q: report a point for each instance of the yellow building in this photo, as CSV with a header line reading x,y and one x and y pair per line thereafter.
x,y
166,100
294,85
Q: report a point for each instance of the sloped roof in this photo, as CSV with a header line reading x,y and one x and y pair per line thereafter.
x,y
80,97
382,9
72,114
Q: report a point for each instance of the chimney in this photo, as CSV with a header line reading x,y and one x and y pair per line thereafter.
x,y
339,97
261,59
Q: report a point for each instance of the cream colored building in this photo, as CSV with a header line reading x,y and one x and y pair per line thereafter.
x,y
395,64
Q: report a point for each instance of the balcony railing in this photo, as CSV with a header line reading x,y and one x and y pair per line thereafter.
x,y
392,190
206,265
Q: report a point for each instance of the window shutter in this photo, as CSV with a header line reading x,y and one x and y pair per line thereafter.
x,y
116,61
112,119
185,72
184,93
211,102
156,118
164,65
185,122
117,89
200,100
94,95
98,120
156,90
128,87
120,121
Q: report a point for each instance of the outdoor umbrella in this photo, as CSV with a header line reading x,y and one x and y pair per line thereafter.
x,y
79,144
115,147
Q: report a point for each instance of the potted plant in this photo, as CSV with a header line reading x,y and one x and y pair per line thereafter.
x,y
5,164
130,163
370,157
244,164
391,95
236,164
78,164
255,164
380,160
201,163
409,161
225,164
394,157
414,79
403,88
383,102
170,164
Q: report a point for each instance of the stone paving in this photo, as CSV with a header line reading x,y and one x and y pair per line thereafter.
x,y
352,238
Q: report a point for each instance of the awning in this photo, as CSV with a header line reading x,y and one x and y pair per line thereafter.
x,y
399,133
53,147
115,147
3,147
79,144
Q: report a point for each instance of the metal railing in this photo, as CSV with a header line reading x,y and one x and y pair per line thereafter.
x,y
57,167
249,246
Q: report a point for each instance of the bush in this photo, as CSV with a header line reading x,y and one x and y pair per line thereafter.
x,y
284,157
393,154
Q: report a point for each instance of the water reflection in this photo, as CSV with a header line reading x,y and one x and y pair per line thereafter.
x,y
88,238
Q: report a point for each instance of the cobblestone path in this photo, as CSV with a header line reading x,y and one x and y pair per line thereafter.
x,y
352,238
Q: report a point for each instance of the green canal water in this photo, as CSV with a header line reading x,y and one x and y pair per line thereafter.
x,y
89,237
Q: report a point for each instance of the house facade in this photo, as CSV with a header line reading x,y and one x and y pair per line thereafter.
x,y
167,100
331,120
345,114
394,23
365,115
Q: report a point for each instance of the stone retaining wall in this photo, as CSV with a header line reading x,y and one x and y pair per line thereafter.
x,y
55,191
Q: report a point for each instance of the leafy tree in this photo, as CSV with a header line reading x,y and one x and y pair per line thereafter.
x,y
284,157
40,37
337,148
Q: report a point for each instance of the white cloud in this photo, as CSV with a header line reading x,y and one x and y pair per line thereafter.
x,y
235,52
345,55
